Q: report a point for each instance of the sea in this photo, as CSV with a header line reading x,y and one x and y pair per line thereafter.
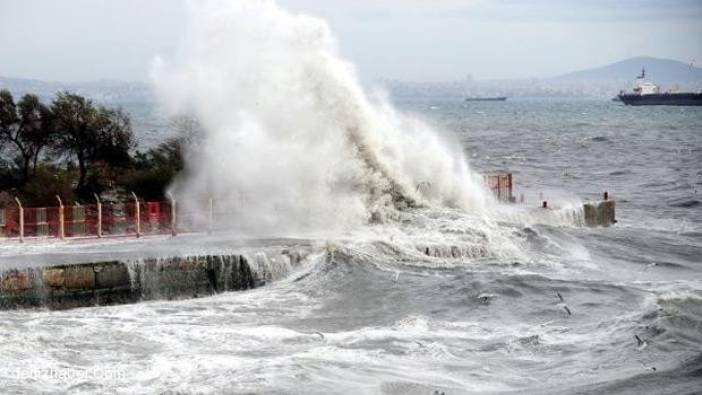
x,y
547,307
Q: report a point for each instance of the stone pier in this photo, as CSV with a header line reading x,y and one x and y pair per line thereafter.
x,y
128,281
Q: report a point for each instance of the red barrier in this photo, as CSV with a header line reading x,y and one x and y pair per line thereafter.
x,y
89,220
501,186
120,219
10,226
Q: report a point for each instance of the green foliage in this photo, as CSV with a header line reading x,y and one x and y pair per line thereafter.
x,y
46,183
95,137
25,130
8,111
74,149
154,170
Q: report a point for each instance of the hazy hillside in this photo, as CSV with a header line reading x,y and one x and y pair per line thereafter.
x,y
663,71
105,91
605,81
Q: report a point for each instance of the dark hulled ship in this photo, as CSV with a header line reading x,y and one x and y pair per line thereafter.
x,y
646,93
487,98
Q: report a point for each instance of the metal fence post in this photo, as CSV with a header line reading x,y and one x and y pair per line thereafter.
x,y
138,216
174,219
61,230
99,215
21,220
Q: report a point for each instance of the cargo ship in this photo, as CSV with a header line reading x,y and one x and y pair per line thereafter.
x,y
494,98
646,93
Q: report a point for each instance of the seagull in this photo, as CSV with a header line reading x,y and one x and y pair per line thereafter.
x,y
567,310
641,343
565,306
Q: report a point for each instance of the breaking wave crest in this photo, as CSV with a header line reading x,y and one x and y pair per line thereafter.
x,y
293,144
290,135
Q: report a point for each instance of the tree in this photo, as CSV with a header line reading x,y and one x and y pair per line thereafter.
x,y
154,170
35,132
93,137
8,118
8,115
25,129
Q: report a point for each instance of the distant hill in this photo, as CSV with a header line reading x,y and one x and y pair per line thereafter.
x,y
21,83
105,91
662,71
603,81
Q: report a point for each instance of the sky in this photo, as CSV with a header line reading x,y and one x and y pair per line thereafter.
x,y
411,40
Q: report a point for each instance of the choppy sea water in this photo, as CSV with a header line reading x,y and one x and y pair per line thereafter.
x,y
539,308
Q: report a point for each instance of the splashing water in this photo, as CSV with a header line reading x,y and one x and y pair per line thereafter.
x,y
291,138
457,296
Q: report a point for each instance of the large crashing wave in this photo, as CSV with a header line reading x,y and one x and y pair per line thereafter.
x,y
290,135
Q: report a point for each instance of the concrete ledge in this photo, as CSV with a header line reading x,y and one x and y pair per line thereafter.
x,y
110,275
600,213
115,282
15,281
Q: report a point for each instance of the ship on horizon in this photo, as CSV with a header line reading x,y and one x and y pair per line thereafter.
x,y
486,98
646,93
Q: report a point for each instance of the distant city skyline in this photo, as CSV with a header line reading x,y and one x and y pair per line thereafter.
x,y
412,40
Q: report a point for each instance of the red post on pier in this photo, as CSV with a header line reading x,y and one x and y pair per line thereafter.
x,y
21,220
174,219
61,219
137,215
98,206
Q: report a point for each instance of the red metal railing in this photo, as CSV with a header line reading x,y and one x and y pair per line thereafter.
x,y
132,218
96,220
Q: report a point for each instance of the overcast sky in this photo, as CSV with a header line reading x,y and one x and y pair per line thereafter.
x,y
421,40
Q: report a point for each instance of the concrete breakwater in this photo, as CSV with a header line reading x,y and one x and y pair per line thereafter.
x,y
133,280
599,213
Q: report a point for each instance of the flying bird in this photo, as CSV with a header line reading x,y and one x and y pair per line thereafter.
x,y
562,303
567,310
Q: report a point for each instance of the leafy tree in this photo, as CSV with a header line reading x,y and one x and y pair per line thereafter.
x,y
8,113
25,129
36,132
8,118
45,183
97,138
90,150
155,169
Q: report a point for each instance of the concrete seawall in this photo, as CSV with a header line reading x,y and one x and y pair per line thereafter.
x,y
71,275
600,213
128,281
